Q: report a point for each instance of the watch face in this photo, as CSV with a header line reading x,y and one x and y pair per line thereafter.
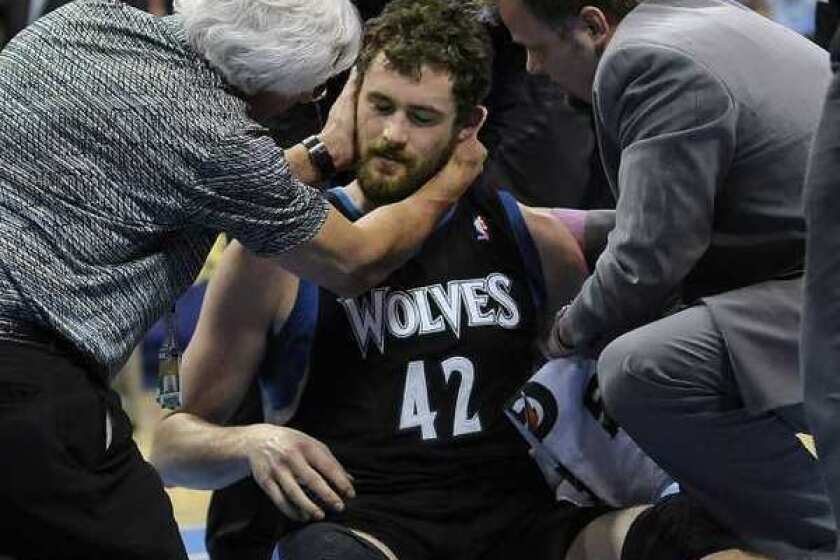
x,y
310,142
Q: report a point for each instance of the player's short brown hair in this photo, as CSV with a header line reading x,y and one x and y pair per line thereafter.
x,y
445,35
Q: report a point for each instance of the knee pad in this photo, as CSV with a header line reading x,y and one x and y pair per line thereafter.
x,y
326,541
676,528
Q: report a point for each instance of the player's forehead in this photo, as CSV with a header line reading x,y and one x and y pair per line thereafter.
x,y
433,89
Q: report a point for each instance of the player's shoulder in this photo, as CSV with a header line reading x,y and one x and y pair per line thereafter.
x,y
550,234
561,257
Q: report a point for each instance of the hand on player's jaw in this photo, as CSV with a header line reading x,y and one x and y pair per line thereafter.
x,y
340,129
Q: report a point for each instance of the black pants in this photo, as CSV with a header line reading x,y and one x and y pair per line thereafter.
x,y
62,493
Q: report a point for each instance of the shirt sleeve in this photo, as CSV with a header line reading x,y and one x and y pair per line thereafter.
x,y
245,188
674,125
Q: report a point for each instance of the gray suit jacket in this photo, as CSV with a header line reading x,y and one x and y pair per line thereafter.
x,y
705,112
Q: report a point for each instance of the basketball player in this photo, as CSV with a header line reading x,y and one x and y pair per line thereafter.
x,y
384,435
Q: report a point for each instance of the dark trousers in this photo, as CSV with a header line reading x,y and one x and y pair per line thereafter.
x,y
820,354
62,493
671,386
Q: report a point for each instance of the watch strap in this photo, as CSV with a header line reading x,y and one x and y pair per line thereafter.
x,y
320,156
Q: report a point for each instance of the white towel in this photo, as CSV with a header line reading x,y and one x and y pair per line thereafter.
x,y
585,456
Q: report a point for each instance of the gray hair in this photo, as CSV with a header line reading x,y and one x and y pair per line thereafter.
x,y
280,46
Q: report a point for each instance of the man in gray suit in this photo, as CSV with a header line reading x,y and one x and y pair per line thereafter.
x,y
705,112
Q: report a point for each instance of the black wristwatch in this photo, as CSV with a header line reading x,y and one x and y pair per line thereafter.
x,y
320,157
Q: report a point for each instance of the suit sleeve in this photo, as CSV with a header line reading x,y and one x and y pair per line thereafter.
x,y
674,124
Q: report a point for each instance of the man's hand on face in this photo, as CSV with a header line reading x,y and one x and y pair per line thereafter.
x,y
464,166
339,134
298,472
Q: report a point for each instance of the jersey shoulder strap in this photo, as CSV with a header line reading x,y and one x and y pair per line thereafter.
x,y
491,197
339,198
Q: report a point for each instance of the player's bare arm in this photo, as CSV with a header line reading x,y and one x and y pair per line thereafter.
x,y
590,228
241,301
561,257
193,448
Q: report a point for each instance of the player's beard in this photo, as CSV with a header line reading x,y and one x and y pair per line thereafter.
x,y
379,189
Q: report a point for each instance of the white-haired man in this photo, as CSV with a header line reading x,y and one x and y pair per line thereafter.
x,y
127,142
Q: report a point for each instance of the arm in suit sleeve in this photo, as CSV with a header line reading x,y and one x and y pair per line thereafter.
x,y
674,123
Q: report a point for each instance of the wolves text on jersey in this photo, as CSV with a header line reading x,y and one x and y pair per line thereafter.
x,y
431,309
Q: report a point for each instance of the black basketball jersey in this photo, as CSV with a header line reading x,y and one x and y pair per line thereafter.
x,y
406,383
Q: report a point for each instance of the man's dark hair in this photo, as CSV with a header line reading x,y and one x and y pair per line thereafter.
x,y
556,12
445,35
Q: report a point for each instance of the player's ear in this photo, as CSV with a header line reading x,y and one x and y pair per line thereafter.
x,y
475,120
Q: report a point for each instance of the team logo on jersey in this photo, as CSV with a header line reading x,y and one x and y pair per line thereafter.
x,y
535,406
482,232
485,302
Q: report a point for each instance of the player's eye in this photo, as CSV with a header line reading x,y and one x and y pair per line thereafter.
x,y
423,118
382,106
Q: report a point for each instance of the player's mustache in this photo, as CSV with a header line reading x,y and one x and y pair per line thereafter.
x,y
393,152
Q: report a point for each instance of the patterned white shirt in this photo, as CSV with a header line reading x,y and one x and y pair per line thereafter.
x,y
122,155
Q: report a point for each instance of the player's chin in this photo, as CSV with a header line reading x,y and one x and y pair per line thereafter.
x,y
388,192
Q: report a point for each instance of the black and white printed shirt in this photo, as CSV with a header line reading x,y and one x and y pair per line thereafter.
x,y
122,155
